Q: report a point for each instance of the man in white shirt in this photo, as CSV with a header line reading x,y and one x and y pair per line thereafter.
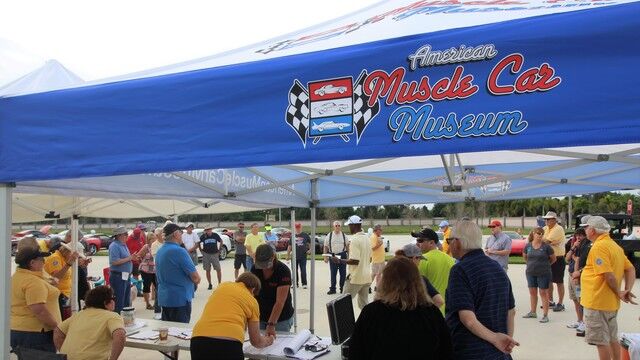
x,y
359,262
190,241
335,243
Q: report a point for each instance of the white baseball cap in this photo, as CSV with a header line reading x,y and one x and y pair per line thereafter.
x,y
353,219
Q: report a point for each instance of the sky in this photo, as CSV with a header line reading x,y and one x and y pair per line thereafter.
x,y
108,38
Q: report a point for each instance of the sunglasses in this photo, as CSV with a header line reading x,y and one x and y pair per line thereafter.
x,y
420,240
336,225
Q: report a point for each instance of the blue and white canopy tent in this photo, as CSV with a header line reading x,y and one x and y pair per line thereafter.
x,y
399,103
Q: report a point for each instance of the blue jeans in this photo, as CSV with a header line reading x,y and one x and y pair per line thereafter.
x,y
32,340
249,262
177,314
284,325
335,268
301,267
121,290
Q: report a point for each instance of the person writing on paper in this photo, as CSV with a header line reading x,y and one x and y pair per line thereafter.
x,y
96,333
402,316
276,311
231,309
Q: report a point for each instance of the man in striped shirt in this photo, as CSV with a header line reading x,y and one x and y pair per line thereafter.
x,y
480,306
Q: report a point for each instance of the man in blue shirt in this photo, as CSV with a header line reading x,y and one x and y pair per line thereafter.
x,y
480,307
120,266
176,276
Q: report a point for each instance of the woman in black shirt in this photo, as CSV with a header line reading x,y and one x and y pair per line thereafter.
x,y
402,322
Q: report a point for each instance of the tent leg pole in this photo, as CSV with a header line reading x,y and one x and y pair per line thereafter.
x,y
294,271
314,223
5,299
74,274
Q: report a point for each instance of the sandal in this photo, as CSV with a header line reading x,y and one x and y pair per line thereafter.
x,y
149,307
530,315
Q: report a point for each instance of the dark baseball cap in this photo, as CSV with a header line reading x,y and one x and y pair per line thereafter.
x,y
425,233
27,254
170,229
264,256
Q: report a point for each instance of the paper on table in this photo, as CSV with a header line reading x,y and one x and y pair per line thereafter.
x,y
145,335
296,343
290,346
137,324
182,333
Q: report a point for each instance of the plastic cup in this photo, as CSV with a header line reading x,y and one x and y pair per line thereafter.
x,y
164,333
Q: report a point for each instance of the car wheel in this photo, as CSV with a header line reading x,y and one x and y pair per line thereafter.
x,y
14,250
321,93
223,252
386,248
341,90
92,250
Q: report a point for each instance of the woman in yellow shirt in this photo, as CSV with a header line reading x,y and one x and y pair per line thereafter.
x,y
230,310
95,333
34,302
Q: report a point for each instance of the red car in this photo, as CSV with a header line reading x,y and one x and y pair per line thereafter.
x,y
517,242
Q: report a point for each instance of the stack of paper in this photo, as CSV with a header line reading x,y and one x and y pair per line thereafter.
x,y
291,346
181,333
145,335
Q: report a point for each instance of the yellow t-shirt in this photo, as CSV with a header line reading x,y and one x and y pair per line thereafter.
x,y
556,239
377,255
28,288
54,263
227,312
89,333
445,242
253,241
605,256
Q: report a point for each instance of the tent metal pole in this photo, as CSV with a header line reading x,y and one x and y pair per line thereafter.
x,y
314,223
294,272
570,212
5,272
74,273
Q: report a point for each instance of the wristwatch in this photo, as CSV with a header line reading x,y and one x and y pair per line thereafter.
x,y
270,324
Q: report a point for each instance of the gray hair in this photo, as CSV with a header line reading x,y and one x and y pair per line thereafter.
x,y
337,223
469,234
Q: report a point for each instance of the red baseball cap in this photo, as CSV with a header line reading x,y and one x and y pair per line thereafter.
x,y
495,223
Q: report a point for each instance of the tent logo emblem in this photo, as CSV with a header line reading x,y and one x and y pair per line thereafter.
x,y
331,107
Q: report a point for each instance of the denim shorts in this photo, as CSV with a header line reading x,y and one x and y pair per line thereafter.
x,y
540,282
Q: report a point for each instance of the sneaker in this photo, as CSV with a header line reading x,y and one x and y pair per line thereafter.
x,y
304,286
545,319
530,315
210,287
331,292
581,328
551,305
574,325
558,307
157,316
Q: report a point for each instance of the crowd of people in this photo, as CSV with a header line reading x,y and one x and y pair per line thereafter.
x,y
453,295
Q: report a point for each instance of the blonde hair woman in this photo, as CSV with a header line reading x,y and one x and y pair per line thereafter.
x,y
401,319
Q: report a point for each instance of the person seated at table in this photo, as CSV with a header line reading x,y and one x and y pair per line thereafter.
x,y
231,309
413,252
96,333
402,321
34,301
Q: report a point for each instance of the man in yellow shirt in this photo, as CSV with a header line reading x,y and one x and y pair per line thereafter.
x,y
377,254
446,231
554,236
251,243
600,288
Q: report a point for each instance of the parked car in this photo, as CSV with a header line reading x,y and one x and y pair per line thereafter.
x,y
19,235
95,242
518,242
224,231
227,245
284,237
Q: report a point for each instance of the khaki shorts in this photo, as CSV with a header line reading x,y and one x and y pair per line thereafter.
x,y
209,260
572,290
602,326
376,268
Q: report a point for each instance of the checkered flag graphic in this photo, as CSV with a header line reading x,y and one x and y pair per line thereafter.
x,y
362,112
298,111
